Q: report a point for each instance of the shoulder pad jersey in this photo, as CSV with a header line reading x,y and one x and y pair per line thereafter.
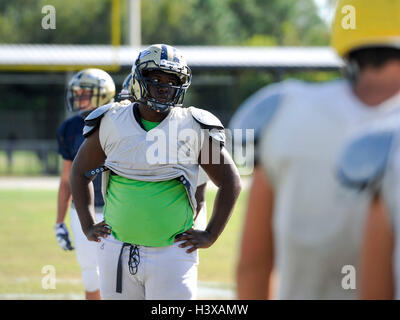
x,y
92,121
257,111
208,121
206,118
365,159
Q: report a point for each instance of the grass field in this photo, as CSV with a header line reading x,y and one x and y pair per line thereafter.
x,y
27,244
26,163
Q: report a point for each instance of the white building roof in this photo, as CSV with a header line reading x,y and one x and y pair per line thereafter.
x,y
71,57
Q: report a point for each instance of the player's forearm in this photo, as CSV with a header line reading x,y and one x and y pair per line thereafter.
x,y
225,200
83,195
376,264
64,198
253,281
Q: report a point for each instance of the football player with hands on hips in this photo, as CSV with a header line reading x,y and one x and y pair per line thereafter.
x,y
150,152
302,225
87,90
126,95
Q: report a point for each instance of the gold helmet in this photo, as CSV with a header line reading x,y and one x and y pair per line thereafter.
x,y
366,23
163,58
99,83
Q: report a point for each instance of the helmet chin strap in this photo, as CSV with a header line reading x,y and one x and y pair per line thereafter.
x,y
158,107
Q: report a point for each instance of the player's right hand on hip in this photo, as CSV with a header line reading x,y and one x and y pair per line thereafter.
x,y
62,236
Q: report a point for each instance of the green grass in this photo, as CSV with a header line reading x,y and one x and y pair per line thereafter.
x,y
218,262
28,244
26,163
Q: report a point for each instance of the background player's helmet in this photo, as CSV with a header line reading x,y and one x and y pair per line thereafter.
x,y
163,58
100,84
127,89
366,23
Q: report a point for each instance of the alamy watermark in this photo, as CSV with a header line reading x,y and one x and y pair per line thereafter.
x,y
348,22
49,20
183,146
349,280
49,278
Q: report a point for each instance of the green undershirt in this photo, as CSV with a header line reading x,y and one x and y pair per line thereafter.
x,y
148,125
147,213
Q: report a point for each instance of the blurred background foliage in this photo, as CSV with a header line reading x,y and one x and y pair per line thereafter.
x,y
175,22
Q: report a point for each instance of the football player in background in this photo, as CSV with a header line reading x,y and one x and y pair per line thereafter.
x,y
148,245
87,90
300,221
126,91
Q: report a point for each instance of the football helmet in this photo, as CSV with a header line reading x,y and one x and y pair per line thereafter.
x,y
166,59
375,23
93,84
126,90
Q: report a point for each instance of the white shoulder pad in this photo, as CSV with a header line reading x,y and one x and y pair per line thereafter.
x,y
365,159
257,111
97,114
92,121
206,119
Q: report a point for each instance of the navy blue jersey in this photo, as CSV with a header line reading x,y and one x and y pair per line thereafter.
x,y
70,138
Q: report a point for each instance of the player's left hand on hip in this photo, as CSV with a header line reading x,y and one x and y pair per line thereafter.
x,y
62,236
194,239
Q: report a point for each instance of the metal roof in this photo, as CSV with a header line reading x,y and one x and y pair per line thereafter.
x,y
25,57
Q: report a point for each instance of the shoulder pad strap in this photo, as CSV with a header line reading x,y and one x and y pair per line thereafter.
x,y
92,121
364,161
206,119
256,113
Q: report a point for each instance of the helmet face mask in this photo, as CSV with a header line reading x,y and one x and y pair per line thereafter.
x,y
89,89
81,97
158,93
160,96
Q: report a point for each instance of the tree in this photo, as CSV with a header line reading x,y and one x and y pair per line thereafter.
x,y
177,22
233,22
77,22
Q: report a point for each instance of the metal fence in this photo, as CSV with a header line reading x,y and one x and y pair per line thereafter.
x,y
29,157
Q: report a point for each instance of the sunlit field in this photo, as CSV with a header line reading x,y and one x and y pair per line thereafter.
x,y
26,163
28,244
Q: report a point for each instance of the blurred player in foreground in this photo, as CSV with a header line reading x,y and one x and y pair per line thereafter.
x,y
87,90
300,221
151,150
371,165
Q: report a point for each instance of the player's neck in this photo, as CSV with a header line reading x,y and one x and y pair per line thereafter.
x,y
376,85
